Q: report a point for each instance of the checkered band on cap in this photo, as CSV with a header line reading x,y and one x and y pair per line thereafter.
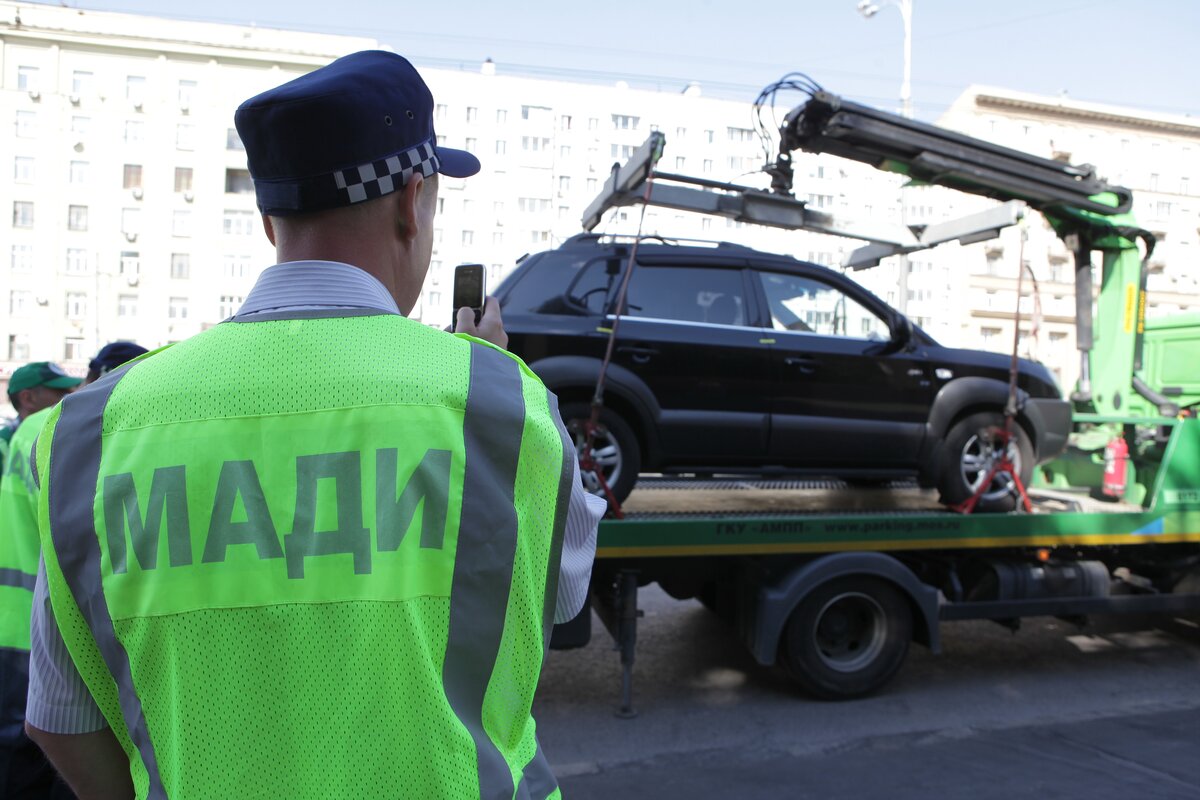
x,y
377,178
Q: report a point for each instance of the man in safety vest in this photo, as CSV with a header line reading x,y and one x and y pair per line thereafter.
x,y
33,389
315,551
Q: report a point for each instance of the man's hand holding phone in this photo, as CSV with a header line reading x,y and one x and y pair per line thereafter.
x,y
474,312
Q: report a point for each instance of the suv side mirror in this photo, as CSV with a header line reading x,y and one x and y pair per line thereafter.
x,y
902,333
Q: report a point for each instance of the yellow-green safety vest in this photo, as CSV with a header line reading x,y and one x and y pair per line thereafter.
x,y
18,536
313,555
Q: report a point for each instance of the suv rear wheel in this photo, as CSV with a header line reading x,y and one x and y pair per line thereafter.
x,y
968,452
615,449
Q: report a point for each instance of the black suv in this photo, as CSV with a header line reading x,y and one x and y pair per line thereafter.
x,y
730,360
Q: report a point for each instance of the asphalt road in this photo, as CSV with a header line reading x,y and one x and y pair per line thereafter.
x,y
1048,712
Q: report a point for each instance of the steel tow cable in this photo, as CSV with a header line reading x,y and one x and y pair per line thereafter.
x,y
587,459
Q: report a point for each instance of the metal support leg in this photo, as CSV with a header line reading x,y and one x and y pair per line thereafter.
x,y
626,636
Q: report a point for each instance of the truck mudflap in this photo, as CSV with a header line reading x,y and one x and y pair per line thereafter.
x,y
775,602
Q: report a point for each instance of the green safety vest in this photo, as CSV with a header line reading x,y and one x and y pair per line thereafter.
x,y
18,535
313,556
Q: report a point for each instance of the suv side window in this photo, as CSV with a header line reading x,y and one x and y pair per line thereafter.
x,y
807,305
557,286
687,294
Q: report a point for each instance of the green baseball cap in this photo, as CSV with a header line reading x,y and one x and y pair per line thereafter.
x,y
40,373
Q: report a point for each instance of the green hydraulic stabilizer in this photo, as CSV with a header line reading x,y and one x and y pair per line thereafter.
x,y
1086,212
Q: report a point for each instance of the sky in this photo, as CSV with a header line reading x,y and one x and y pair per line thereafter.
x,y
1144,55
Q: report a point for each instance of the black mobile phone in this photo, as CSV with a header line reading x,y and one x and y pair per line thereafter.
x,y
470,289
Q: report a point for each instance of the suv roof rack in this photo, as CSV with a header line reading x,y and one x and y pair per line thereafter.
x,y
596,238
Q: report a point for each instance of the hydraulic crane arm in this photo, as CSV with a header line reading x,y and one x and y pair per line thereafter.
x,y
829,124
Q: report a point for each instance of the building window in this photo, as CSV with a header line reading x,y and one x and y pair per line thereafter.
x,y
622,151
237,181
77,218
19,302
185,137
238,223
135,90
564,183
501,116
532,205
707,166
135,131
740,134
183,179
535,144
177,308
468,237
80,126
131,221
564,151
235,267
625,122
591,185
498,237
229,305
593,123
22,214
22,258
81,83
78,172
186,94
472,113
23,169
130,265
18,347
439,112
26,124
133,176
680,162
564,122
76,305
181,265
181,223
27,79
77,261
127,305
472,145
73,349
233,141
501,147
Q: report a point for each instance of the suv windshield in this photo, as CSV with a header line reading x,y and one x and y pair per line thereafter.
x,y
550,286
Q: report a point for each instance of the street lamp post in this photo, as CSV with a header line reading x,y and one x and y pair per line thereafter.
x,y
869,9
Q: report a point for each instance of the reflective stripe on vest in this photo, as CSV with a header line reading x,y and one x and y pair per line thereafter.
x,y
74,472
482,568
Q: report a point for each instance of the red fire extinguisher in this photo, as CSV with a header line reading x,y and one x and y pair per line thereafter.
x,y
1116,457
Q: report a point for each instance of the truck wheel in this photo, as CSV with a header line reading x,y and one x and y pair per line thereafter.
x,y
847,637
967,454
615,447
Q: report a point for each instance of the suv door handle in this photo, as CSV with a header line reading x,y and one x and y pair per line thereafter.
x,y
641,355
806,364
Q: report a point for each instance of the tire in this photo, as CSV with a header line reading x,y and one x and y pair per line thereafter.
x,y
847,638
616,448
966,455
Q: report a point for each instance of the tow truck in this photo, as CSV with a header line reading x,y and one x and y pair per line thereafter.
x,y
833,582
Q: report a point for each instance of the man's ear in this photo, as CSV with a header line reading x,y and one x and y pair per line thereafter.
x,y
409,212
269,229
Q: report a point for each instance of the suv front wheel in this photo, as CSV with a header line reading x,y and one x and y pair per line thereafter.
x,y
970,449
615,449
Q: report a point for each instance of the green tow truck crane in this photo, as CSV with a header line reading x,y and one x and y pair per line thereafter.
x,y
833,583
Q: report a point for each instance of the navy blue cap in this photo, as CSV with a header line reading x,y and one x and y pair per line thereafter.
x,y
351,131
113,355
